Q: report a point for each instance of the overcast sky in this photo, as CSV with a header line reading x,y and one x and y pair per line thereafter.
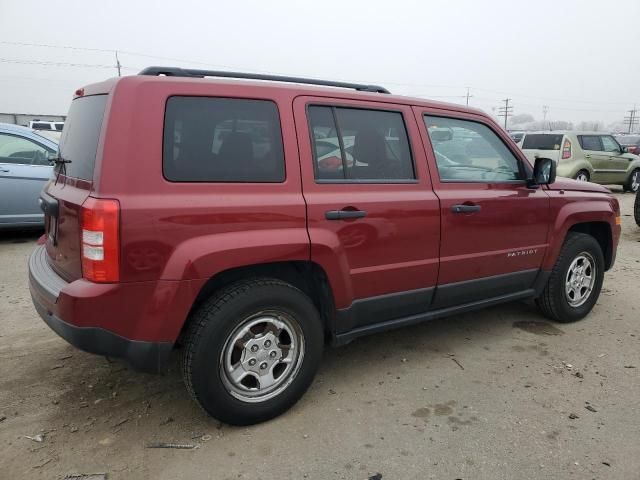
x,y
581,58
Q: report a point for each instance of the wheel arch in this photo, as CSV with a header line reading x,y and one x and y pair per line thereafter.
x,y
601,231
307,276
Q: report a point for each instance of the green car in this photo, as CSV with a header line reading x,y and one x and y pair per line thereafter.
x,y
586,156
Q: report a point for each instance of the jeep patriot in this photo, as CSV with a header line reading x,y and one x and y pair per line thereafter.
x,y
250,220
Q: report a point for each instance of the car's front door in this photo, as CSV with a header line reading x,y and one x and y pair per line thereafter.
x,y
617,162
494,227
373,219
24,169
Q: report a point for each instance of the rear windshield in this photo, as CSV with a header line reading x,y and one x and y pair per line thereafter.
x,y
542,141
79,141
628,139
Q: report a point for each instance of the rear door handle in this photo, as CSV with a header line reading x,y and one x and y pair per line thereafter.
x,y
3,170
465,208
344,214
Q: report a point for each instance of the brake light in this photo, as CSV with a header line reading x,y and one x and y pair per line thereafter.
x,y
100,224
566,149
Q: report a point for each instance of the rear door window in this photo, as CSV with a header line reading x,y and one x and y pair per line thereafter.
x,y
360,145
542,141
222,140
79,141
590,142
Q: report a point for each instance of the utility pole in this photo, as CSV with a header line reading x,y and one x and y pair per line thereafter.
x,y
118,64
632,118
505,111
545,110
468,96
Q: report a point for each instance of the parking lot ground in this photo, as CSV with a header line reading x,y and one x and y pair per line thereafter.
x,y
499,393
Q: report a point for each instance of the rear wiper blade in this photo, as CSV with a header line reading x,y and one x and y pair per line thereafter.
x,y
61,163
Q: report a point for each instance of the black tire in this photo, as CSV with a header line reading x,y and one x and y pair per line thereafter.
x,y
636,208
583,172
213,324
629,184
553,301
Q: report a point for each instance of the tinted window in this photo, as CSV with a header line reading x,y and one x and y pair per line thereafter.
x,y
542,141
79,141
609,144
18,150
358,144
470,152
590,142
222,140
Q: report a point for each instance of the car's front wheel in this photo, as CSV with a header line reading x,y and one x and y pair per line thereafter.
x,y
582,176
575,281
252,350
636,208
633,182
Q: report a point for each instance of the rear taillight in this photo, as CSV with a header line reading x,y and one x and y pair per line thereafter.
x,y
633,149
566,149
100,240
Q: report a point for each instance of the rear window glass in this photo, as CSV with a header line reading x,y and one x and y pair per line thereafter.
x,y
79,141
222,140
542,141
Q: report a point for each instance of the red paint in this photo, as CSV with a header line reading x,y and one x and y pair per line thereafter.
x,y
173,237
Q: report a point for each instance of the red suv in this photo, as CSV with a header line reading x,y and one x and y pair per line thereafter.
x,y
251,222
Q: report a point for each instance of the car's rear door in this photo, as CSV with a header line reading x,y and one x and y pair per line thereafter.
x,y
24,169
494,228
595,155
373,219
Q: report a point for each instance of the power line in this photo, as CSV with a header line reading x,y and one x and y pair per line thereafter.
x,y
506,111
631,119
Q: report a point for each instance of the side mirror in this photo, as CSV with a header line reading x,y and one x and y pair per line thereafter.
x,y
441,135
544,172
52,157
623,149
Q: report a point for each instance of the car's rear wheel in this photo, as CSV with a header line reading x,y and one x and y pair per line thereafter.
x,y
582,176
252,350
633,182
575,281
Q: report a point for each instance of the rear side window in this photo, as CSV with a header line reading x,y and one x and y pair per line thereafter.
x,y
590,142
542,141
79,141
360,145
222,140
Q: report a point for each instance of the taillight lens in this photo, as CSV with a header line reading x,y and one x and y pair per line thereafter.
x,y
566,150
100,221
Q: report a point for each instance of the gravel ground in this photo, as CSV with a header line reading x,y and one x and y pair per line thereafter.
x,y
494,394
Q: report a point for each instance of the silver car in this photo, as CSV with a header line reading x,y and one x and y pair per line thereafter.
x,y
25,167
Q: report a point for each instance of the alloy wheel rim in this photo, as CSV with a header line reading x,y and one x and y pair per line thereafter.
x,y
582,177
262,356
580,279
635,181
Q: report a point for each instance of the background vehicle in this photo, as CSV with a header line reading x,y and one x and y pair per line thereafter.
x,y
584,156
212,221
24,169
631,142
46,125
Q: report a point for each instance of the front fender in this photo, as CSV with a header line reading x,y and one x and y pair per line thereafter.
x,y
572,208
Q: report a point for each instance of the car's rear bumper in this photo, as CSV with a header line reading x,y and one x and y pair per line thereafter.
x,y
105,319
